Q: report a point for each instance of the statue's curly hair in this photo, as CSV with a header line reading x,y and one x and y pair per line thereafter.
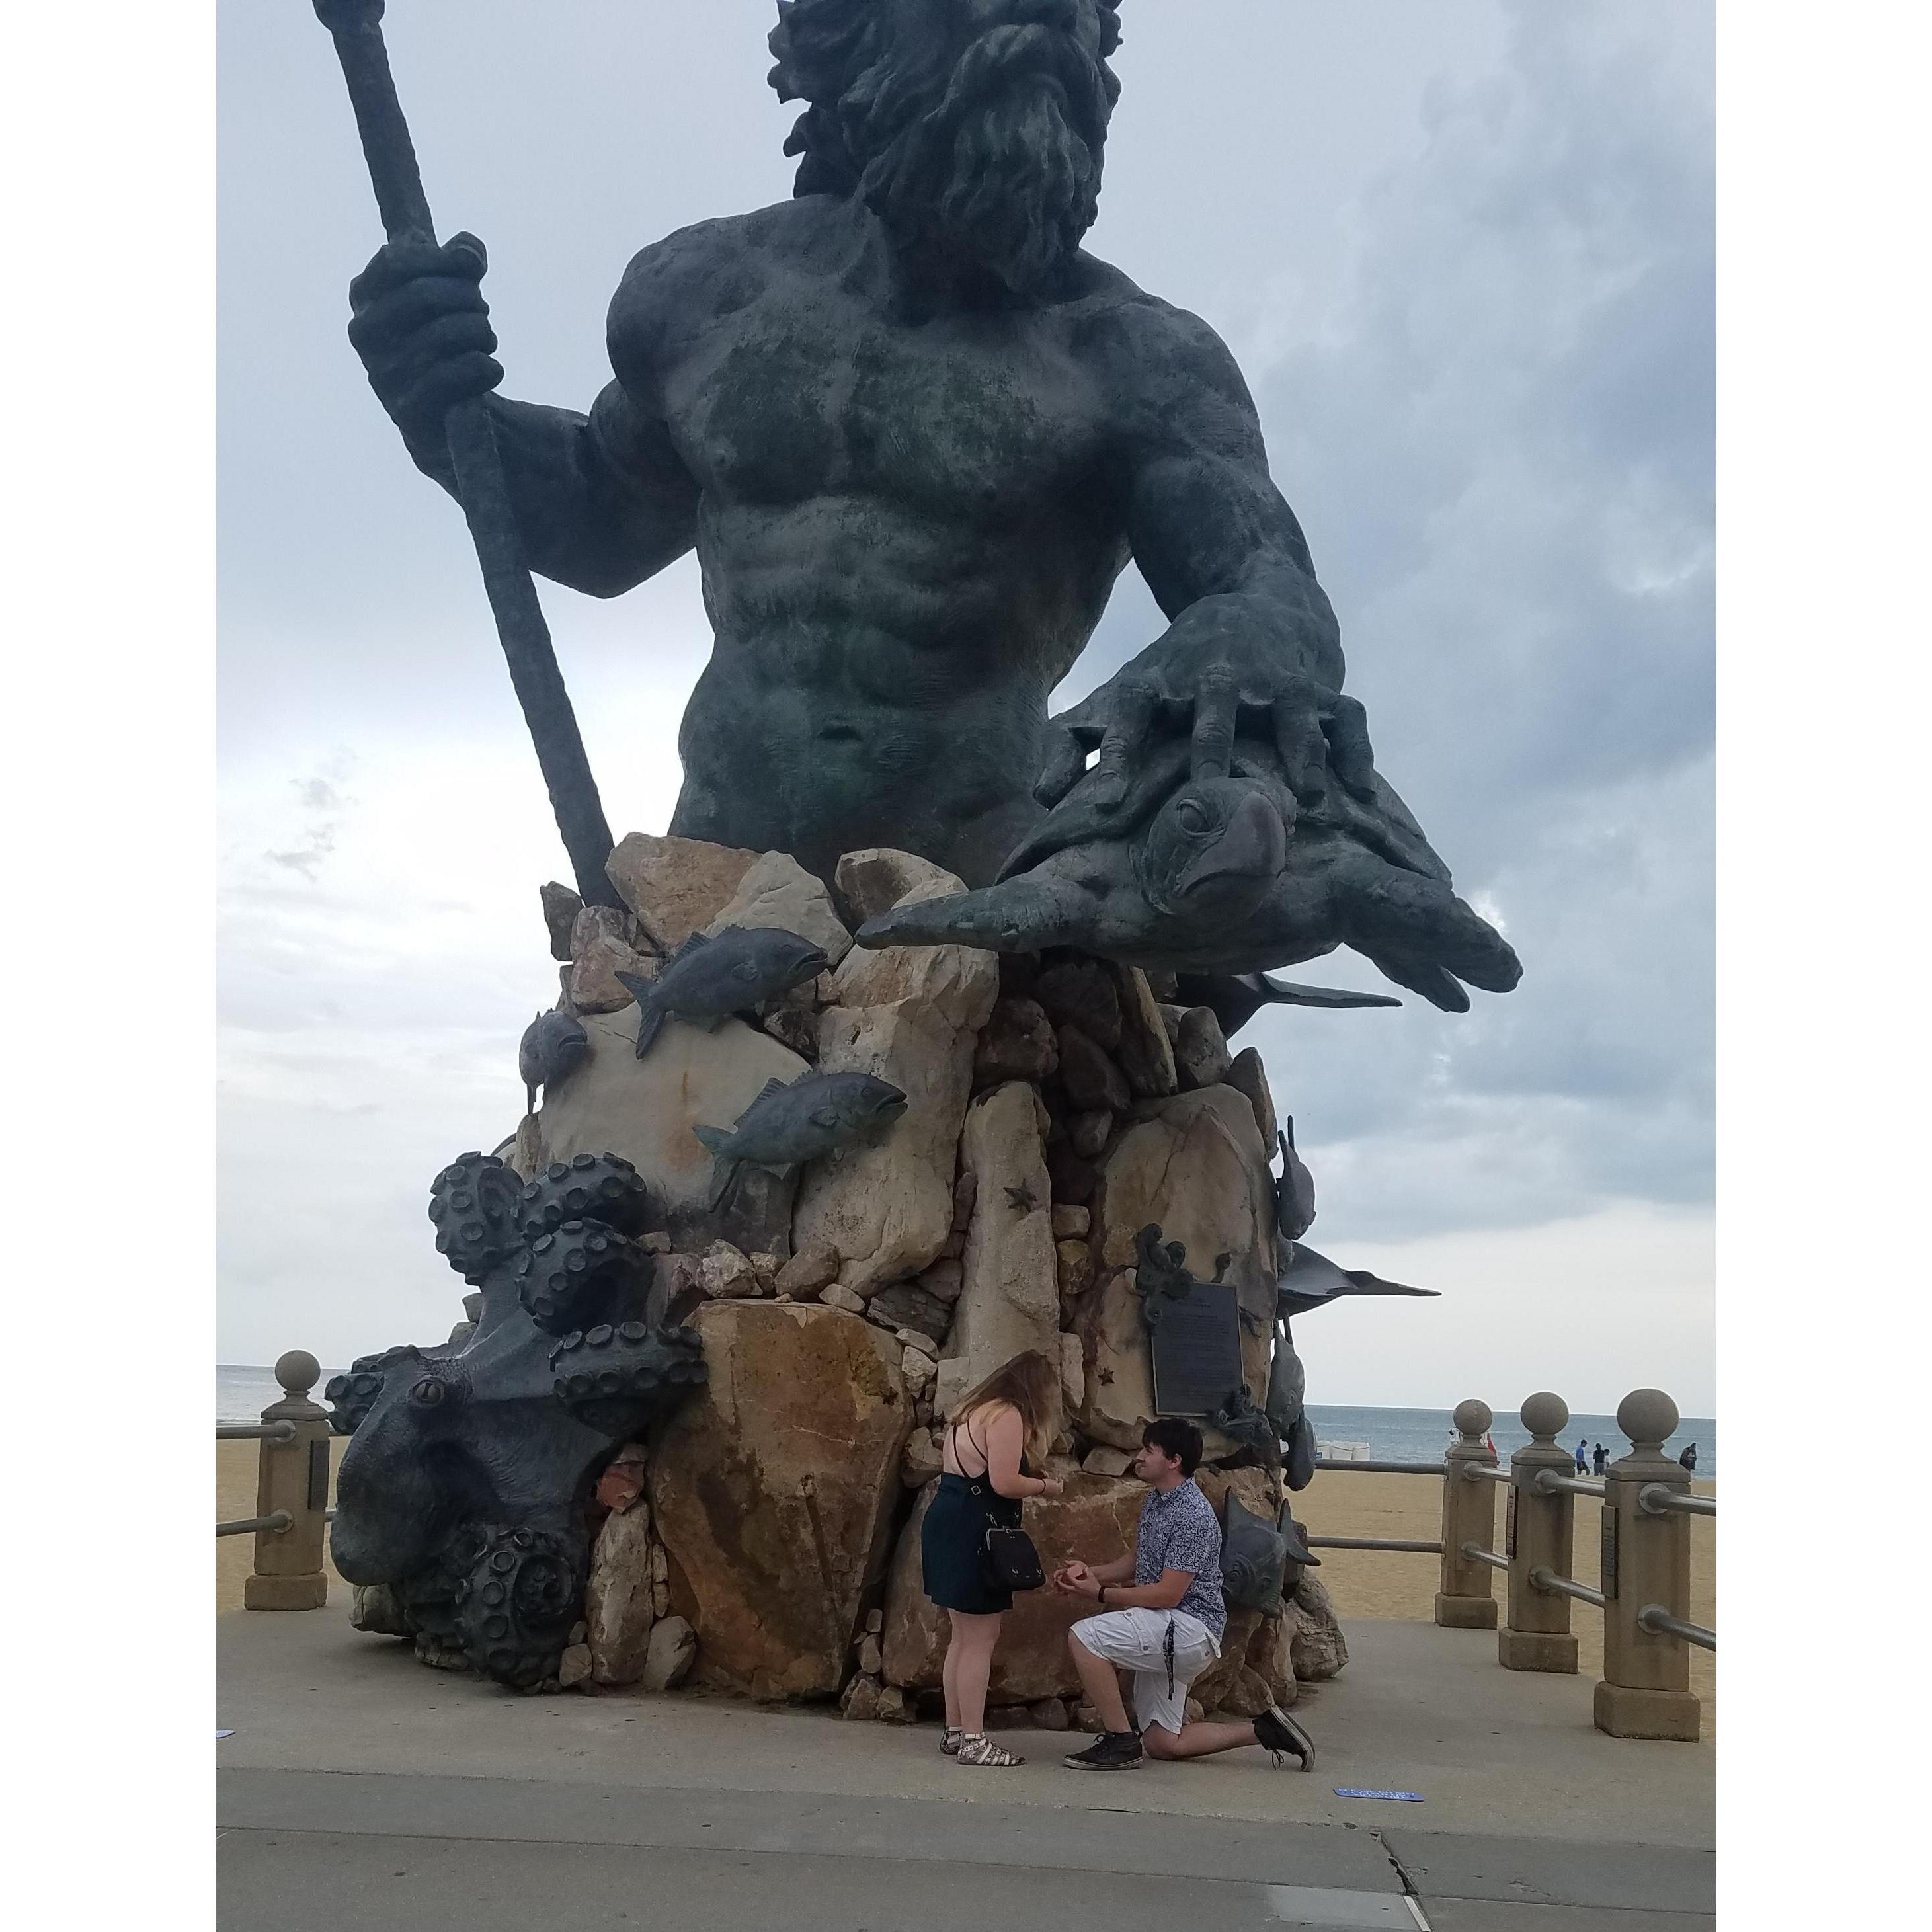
x,y
824,49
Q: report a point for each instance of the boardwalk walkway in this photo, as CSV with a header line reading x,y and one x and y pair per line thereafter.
x,y
359,1784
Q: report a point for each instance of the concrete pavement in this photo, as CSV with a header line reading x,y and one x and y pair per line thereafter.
x,y
408,1797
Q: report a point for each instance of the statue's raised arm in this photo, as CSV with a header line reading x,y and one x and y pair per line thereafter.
x,y
602,501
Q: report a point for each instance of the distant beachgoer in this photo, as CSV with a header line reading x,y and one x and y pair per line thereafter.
x,y
1600,1459
1689,1458
1582,1455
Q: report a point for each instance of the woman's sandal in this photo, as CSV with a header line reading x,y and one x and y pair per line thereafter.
x,y
949,1740
976,1748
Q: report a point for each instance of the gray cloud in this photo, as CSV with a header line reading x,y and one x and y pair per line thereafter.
x,y
1463,251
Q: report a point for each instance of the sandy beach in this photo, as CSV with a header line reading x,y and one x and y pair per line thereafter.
x,y
1365,1583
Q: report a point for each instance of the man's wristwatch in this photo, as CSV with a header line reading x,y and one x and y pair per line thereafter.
x,y
1100,1596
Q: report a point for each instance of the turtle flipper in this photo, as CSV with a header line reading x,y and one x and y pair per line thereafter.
x,y
1018,915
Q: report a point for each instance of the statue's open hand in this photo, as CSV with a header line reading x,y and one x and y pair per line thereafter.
x,y
420,324
1201,678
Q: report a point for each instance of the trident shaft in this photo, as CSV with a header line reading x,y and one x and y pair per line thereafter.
x,y
356,27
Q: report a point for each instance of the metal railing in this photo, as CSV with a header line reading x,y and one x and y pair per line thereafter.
x,y
1644,1589
291,1493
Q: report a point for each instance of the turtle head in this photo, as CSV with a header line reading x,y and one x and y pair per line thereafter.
x,y
1212,849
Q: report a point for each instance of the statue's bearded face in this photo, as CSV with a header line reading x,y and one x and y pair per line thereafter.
x,y
981,130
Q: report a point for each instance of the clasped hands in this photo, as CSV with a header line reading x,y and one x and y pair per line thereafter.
x,y
1076,1579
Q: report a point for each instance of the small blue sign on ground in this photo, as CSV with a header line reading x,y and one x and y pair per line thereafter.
x,y
1362,1791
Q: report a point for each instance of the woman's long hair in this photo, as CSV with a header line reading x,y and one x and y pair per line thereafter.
x,y
1031,1384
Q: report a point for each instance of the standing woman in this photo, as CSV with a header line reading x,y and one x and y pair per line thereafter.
x,y
1005,1422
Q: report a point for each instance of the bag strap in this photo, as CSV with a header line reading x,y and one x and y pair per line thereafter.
x,y
965,1427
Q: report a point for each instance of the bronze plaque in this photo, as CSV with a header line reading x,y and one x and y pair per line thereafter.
x,y
1196,1346
1607,1577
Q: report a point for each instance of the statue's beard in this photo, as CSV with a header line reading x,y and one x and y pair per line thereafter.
x,y
1005,169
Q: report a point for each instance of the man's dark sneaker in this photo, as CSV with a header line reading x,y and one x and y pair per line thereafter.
x,y
1111,1751
1279,1734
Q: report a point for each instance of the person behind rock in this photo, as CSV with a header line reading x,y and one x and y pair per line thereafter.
x,y
1161,1617
1689,1458
994,1430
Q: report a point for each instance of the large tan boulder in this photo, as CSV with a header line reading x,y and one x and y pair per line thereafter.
x,y
676,886
1247,1075
602,945
1095,1521
617,1603
1010,1299
1146,1053
1253,1670
909,1014
872,882
1195,1165
1259,1490
1316,1644
778,891
773,1489
646,1110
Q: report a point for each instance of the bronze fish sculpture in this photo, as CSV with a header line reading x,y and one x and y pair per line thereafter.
x,y
788,1125
553,1045
708,979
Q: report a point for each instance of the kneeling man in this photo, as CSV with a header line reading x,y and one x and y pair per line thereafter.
x,y
1164,1625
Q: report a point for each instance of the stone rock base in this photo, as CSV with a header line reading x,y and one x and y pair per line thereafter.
x,y
1055,1109
1317,1649
772,1491
1094,1520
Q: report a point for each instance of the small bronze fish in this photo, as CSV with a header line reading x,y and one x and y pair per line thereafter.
x,y
554,1044
786,1126
710,980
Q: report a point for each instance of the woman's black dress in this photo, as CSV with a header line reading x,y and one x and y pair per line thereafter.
x,y
952,1544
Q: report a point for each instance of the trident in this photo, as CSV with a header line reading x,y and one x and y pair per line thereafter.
x,y
356,26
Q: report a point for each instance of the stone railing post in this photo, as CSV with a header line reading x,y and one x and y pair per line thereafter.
x,y
1646,1689
294,1480
1466,1599
1541,1530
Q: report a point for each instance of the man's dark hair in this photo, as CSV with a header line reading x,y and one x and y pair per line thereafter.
x,y
1172,1436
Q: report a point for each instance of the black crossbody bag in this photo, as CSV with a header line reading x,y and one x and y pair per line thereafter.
x,y
1008,1557
1010,1560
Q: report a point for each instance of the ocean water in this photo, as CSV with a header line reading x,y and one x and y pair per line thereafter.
x,y
242,1392
1394,1435
1421,1435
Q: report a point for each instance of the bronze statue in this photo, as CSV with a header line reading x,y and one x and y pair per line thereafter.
x,y
914,432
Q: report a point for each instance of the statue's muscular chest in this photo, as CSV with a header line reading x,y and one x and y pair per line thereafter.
x,y
807,393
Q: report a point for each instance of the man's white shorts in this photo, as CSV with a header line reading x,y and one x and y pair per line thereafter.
x,y
1136,1640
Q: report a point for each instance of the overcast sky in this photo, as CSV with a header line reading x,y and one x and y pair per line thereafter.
x,y
1463,249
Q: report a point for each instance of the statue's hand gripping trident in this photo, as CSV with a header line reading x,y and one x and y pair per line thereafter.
x,y
356,26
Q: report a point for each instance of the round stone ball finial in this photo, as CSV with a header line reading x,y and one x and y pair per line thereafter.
x,y
1472,1420
1649,1418
1544,1415
297,1371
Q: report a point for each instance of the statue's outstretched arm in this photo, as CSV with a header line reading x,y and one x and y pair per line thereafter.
x,y
601,501
1251,631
